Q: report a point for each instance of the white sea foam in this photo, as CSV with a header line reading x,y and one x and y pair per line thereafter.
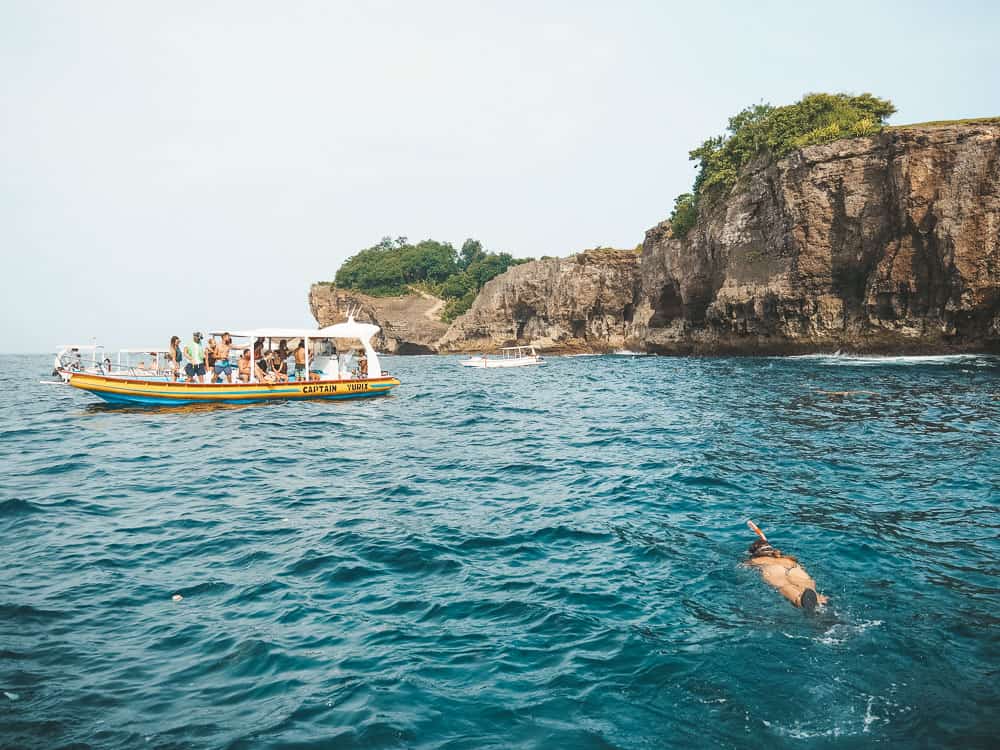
x,y
875,359
870,718
847,726
841,632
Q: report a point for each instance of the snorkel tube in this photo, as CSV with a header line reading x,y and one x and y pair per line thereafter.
x,y
756,530
761,547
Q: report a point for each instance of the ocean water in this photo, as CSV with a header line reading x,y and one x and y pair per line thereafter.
x,y
533,558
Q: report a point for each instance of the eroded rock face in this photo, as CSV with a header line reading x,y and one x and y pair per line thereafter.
x,y
410,324
582,303
883,244
889,243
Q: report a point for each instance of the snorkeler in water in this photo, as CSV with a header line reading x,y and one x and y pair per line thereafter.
x,y
784,573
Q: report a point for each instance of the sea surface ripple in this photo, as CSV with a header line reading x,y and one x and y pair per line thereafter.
x,y
534,558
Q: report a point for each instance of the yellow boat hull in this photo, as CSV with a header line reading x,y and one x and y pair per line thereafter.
x,y
151,392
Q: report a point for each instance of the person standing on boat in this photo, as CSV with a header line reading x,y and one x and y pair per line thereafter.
x,y
363,365
174,357
194,352
300,361
210,358
222,367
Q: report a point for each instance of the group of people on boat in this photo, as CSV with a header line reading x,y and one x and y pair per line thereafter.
x,y
209,362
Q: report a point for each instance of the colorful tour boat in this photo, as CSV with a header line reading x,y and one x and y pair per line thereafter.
x,y
328,377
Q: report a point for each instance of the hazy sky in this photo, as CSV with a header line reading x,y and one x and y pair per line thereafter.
x,y
172,165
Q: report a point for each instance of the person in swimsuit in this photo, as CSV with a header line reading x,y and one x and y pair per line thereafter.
x,y
258,356
174,357
300,361
222,368
210,356
279,366
243,371
363,365
784,573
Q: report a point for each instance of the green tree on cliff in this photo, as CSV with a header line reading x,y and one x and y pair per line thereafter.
x,y
392,266
472,250
763,130
684,216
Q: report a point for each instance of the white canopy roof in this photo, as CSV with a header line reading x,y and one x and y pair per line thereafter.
x,y
272,333
350,329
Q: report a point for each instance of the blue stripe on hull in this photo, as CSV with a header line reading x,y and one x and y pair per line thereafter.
x,y
119,398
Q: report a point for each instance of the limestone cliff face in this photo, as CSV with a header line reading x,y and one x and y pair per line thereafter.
x,y
581,303
410,323
883,244
889,243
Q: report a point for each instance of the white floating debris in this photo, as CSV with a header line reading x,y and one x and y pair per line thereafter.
x,y
12,696
177,597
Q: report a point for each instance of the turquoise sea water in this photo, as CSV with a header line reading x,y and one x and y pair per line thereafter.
x,y
534,558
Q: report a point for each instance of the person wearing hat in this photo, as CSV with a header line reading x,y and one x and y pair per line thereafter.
x,y
784,573
194,352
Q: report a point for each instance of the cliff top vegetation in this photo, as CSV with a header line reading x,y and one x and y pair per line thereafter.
x,y
946,123
777,131
396,266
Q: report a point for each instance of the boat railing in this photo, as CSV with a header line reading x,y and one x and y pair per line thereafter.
x,y
113,368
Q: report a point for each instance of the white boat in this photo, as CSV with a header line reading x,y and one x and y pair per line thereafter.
x,y
510,356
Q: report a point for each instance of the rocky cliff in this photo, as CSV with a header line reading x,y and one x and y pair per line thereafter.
x,y
890,243
582,303
881,244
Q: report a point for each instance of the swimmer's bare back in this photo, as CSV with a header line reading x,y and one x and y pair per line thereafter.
x,y
789,578
784,573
